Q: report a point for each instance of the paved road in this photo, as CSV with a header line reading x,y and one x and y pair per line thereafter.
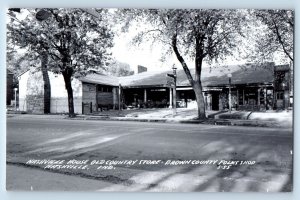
x,y
200,148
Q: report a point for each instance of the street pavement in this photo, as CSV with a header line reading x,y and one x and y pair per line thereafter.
x,y
61,139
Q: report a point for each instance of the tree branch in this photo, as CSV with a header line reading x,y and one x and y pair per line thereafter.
x,y
181,60
280,40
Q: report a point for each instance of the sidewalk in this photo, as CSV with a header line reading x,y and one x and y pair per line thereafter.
x,y
183,115
37,116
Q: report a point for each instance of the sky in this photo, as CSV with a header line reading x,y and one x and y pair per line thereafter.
x,y
146,54
149,56
139,55
123,51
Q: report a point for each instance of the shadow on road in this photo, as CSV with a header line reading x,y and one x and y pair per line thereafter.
x,y
272,171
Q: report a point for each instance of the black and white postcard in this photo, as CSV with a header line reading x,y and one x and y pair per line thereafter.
x,y
150,100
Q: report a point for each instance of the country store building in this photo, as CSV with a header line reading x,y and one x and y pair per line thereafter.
x,y
252,88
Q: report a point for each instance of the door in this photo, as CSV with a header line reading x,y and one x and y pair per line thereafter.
x,y
215,101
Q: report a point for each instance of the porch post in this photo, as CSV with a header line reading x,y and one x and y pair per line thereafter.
x,y
115,97
286,99
119,96
265,97
170,98
145,95
258,96
237,97
243,96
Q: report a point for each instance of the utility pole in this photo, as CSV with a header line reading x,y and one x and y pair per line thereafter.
x,y
174,76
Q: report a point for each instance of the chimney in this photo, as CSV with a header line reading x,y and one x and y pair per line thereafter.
x,y
141,69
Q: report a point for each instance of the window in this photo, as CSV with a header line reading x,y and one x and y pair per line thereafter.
x,y
104,88
279,95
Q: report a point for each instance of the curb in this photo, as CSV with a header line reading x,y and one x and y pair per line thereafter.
x,y
222,122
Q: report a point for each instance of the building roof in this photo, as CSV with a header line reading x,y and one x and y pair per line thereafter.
x,y
145,79
218,76
211,77
244,76
100,79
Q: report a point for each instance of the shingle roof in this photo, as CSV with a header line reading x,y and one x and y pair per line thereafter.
x,y
241,74
100,79
145,79
249,75
218,76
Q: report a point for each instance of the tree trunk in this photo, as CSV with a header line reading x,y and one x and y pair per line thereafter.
x,y
198,70
47,86
200,100
67,74
196,84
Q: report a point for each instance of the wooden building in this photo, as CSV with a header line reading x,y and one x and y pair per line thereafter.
x,y
253,87
262,87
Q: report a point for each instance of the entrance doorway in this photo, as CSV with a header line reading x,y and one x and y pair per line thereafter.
x,y
215,101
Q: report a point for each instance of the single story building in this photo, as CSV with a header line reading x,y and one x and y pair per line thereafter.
x,y
252,87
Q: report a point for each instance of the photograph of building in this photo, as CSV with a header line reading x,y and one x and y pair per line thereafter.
x,y
252,88
150,100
